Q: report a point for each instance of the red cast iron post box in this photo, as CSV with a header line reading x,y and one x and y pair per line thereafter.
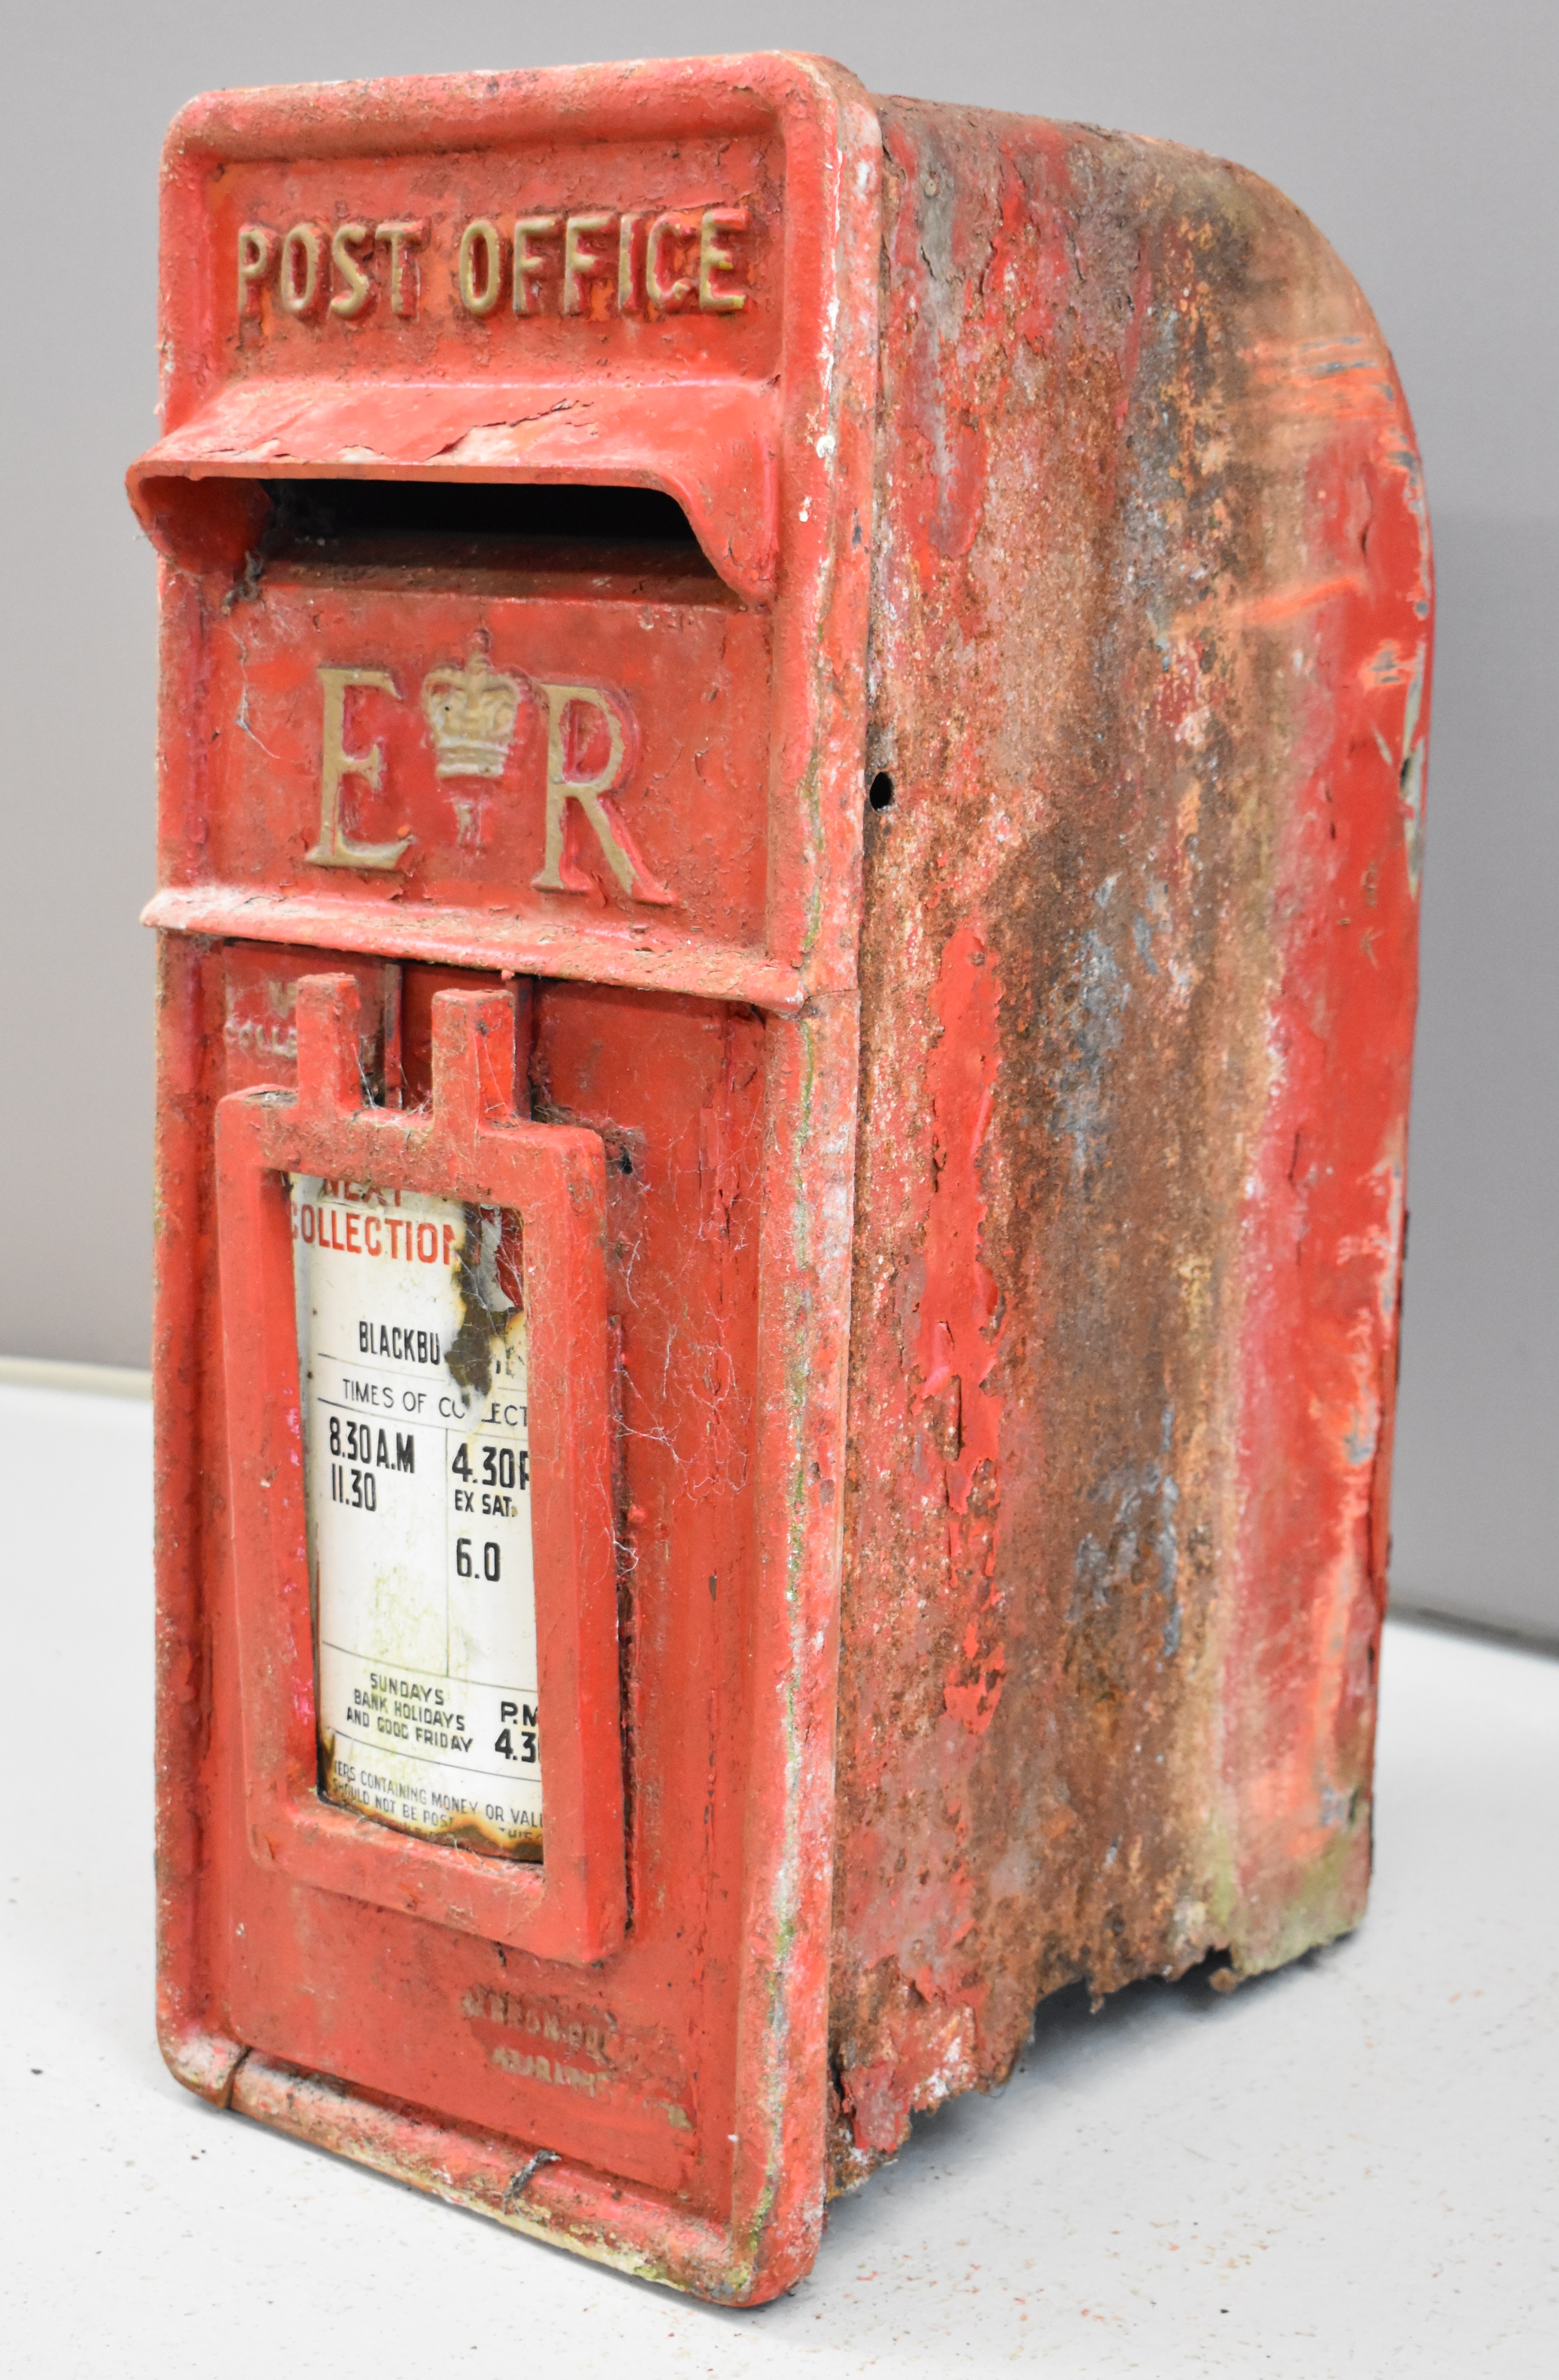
x,y
792,758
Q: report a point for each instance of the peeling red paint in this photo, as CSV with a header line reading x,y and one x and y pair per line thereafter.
x,y
1156,735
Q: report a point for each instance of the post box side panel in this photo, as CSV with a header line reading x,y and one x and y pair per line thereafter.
x,y
1150,678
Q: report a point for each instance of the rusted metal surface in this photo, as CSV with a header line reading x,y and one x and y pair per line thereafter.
x,y
960,1228
1149,668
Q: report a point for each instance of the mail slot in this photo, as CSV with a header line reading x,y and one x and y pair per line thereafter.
x,y
792,758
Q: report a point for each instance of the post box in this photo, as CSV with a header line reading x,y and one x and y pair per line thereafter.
x,y
792,758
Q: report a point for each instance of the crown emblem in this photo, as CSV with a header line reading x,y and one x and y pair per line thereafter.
x,y
470,712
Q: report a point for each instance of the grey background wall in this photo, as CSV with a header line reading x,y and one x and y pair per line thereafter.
x,y
1418,136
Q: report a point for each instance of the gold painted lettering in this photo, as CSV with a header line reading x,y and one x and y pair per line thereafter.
x,y
630,261
480,286
303,257
663,293
335,849
403,240
679,261
360,288
559,873
528,268
257,254
713,258
582,263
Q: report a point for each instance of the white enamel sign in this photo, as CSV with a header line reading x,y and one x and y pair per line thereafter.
x,y
412,1352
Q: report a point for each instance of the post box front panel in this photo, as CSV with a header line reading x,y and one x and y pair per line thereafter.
x,y
624,793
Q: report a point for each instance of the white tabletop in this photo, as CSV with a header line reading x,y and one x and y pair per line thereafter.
x,y
1347,2168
